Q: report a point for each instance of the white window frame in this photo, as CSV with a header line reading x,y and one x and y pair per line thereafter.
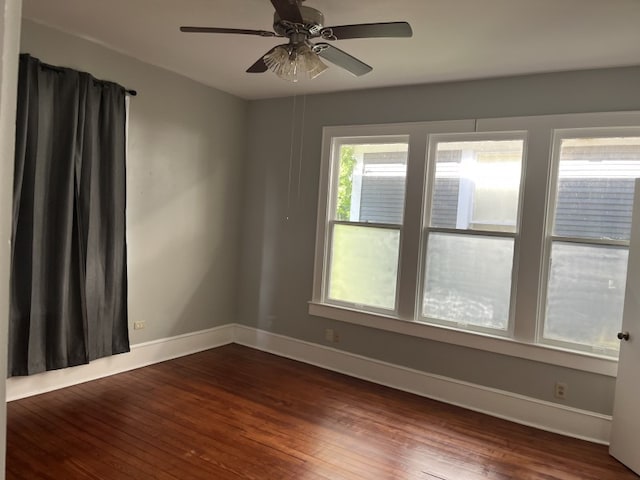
x,y
336,144
427,229
529,284
559,135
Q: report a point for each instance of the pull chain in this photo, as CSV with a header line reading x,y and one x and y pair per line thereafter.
x,y
304,109
293,131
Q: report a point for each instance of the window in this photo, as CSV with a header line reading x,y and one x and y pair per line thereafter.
x,y
365,225
471,234
589,239
507,234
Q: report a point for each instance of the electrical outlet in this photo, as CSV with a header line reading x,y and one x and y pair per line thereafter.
x,y
328,334
560,390
138,325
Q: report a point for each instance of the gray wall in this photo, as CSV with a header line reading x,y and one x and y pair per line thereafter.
x,y
184,174
280,215
191,169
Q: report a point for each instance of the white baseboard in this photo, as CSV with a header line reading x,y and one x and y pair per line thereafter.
x,y
548,416
141,355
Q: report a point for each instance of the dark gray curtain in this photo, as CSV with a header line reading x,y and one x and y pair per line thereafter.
x,y
68,271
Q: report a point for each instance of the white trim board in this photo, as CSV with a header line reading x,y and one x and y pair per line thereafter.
x,y
572,422
141,355
529,411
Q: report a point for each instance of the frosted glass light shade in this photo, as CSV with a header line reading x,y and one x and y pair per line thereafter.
x,y
294,62
309,61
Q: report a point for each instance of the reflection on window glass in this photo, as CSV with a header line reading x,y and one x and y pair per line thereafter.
x,y
468,280
364,265
586,281
586,294
371,182
595,187
477,185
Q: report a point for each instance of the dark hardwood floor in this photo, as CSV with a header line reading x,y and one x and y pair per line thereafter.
x,y
234,412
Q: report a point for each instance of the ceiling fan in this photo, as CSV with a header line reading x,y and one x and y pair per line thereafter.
x,y
301,24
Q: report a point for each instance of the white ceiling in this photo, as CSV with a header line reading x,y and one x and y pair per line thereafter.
x,y
453,39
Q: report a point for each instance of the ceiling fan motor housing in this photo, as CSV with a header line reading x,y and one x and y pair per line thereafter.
x,y
313,22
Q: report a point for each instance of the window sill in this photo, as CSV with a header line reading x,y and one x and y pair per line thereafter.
x,y
505,346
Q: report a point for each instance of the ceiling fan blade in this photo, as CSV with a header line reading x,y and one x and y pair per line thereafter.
x,y
342,59
288,10
261,33
368,30
260,66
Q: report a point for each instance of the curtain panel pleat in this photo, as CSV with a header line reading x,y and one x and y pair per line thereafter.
x,y
68,270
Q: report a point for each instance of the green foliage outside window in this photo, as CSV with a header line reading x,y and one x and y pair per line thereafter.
x,y
345,182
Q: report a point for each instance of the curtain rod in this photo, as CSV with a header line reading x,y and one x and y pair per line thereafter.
x,y
128,91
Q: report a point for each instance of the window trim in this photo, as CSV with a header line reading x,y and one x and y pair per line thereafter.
x,y
550,354
416,135
536,170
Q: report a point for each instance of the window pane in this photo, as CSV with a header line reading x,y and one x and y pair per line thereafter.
x,y
477,185
586,294
468,279
371,182
595,187
364,265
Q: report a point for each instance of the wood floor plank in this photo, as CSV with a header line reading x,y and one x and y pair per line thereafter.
x,y
237,413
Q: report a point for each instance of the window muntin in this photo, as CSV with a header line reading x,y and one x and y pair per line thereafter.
x,y
593,200
365,221
469,255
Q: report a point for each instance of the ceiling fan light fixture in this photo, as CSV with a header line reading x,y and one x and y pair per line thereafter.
x,y
310,62
292,62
